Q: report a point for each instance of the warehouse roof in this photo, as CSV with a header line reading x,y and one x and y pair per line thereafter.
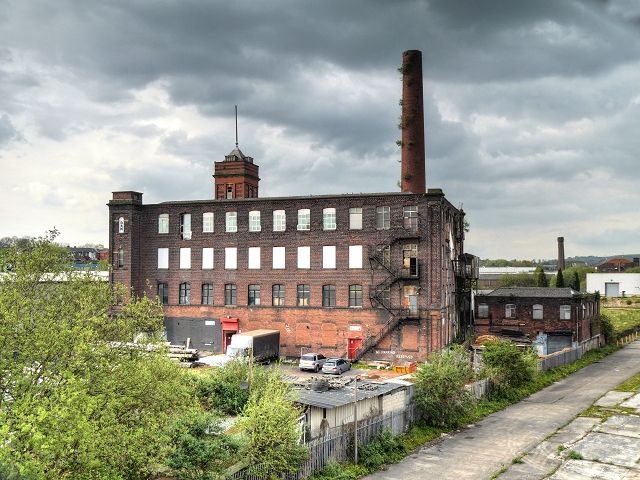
x,y
528,292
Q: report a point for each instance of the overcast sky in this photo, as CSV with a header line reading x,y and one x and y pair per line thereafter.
x,y
532,109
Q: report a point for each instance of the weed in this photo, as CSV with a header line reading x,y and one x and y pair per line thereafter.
x,y
518,459
560,448
573,455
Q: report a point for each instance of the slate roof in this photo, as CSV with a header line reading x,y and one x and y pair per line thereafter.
x,y
344,396
533,292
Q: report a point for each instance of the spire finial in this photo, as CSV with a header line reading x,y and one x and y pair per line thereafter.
x,y
236,125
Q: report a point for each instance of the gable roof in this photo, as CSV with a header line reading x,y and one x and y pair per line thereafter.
x,y
528,292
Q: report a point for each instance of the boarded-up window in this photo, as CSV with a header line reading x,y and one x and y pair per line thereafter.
x,y
207,258
185,258
304,257
329,256
355,256
163,258
230,258
254,258
279,257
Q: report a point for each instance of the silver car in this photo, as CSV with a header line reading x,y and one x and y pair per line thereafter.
x,y
312,361
336,366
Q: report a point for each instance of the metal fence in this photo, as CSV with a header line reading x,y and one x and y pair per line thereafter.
x,y
564,357
337,444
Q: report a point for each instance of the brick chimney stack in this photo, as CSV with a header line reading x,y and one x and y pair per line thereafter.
x,y
561,264
412,174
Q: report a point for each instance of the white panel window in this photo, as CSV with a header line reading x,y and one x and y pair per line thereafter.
x,y
355,218
254,221
163,223
328,218
230,258
483,310
565,312
329,256
163,258
304,219
254,258
231,221
185,258
185,226
304,257
355,256
207,222
207,258
279,257
510,310
279,221
538,312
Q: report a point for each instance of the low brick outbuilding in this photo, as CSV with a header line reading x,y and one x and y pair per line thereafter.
x,y
550,318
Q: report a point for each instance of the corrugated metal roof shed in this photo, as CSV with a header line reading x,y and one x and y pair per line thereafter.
x,y
344,396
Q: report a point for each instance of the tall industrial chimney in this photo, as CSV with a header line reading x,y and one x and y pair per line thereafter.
x,y
412,174
561,265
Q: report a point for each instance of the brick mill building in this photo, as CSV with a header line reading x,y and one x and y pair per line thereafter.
x,y
378,275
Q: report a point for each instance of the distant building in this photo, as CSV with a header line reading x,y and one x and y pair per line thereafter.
x,y
617,264
549,318
614,284
489,277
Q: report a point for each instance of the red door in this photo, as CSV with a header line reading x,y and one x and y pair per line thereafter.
x,y
354,344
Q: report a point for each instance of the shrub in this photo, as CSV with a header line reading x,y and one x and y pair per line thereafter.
x,y
386,448
507,367
440,391
606,328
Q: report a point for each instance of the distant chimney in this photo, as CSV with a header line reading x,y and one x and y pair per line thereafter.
x,y
561,265
412,172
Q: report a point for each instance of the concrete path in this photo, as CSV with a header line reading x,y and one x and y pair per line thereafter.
x,y
480,450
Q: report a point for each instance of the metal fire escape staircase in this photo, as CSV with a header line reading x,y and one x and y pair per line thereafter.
x,y
376,292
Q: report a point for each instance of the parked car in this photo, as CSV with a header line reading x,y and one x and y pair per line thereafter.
x,y
312,361
336,366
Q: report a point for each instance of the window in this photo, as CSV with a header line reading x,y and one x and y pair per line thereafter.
x,y
304,219
120,261
328,218
383,295
304,295
383,218
483,310
185,294
207,294
410,217
207,258
328,295
207,222
304,257
277,295
355,295
538,312
254,258
254,221
410,260
254,295
329,256
185,226
383,256
510,310
565,312
410,300
355,218
230,258
121,225
231,221
355,256
229,190
163,293
230,294
163,258
185,258
163,223
278,257
279,221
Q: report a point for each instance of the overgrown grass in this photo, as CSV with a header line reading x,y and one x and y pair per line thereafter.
x,y
631,385
624,320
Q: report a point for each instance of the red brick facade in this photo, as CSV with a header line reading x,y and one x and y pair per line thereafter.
x,y
494,316
391,333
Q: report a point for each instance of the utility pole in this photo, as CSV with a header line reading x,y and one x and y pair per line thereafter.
x,y
355,415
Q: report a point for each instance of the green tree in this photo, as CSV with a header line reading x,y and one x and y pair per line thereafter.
x,y
440,391
522,279
508,367
77,399
575,281
270,422
540,277
559,279
202,450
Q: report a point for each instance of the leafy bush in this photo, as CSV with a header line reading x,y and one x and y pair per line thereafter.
x,y
201,450
606,328
386,448
507,367
440,391
340,471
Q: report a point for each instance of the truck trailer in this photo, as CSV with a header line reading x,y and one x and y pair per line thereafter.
x,y
263,343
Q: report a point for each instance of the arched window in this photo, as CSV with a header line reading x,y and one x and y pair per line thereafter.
x,y
121,225
185,294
